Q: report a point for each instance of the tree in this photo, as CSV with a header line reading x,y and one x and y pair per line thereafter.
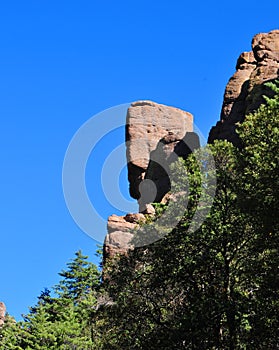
x,y
208,282
259,196
63,321
11,334
80,279
216,287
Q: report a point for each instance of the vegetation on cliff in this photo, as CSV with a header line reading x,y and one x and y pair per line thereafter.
x,y
213,288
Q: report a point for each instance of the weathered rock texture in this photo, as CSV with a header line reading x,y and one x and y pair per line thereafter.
x,y
120,233
155,135
147,123
2,313
244,91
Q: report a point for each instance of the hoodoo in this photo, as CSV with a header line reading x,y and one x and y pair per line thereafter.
x,y
155,135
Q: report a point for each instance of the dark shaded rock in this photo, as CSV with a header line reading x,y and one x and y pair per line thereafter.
x,y
157,180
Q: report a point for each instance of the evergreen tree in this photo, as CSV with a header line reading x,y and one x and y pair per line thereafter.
x,y
216,288
260,197
80,279
63,321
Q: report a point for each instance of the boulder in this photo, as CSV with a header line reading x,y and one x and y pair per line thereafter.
x,y
120,233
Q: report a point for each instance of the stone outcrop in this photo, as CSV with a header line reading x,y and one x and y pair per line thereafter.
x,y
244,91
120,233
2,313
147,123
155,136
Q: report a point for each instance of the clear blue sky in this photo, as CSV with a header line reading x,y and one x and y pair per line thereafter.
x,y
64,61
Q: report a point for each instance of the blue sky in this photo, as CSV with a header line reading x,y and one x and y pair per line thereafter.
x,y
62,62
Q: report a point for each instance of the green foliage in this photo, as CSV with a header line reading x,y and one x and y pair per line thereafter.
x,y
260,158
259,170
80,279
215,287
60,322
209,282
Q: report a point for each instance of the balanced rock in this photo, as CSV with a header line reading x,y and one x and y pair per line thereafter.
x,y
2,313
147,123
245,89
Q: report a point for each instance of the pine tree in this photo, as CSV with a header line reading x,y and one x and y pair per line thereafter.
x,y
59,322
80,279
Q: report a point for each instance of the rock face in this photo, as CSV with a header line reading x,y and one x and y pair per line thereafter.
x,y
120,233
244,91
155,135
147,124
2,313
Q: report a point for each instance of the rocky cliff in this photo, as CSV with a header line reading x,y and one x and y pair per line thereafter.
x,y
244,91
2,313
155,135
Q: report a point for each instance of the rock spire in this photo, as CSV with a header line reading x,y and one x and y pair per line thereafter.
x,y
155,135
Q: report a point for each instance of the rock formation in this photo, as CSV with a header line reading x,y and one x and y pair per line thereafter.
x,y
147,123
155,135
244,91
120,233
2,313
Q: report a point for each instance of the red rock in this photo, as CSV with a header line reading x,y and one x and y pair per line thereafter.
x,y
120,233
119,223
147,123
244,91
135,218
155,135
